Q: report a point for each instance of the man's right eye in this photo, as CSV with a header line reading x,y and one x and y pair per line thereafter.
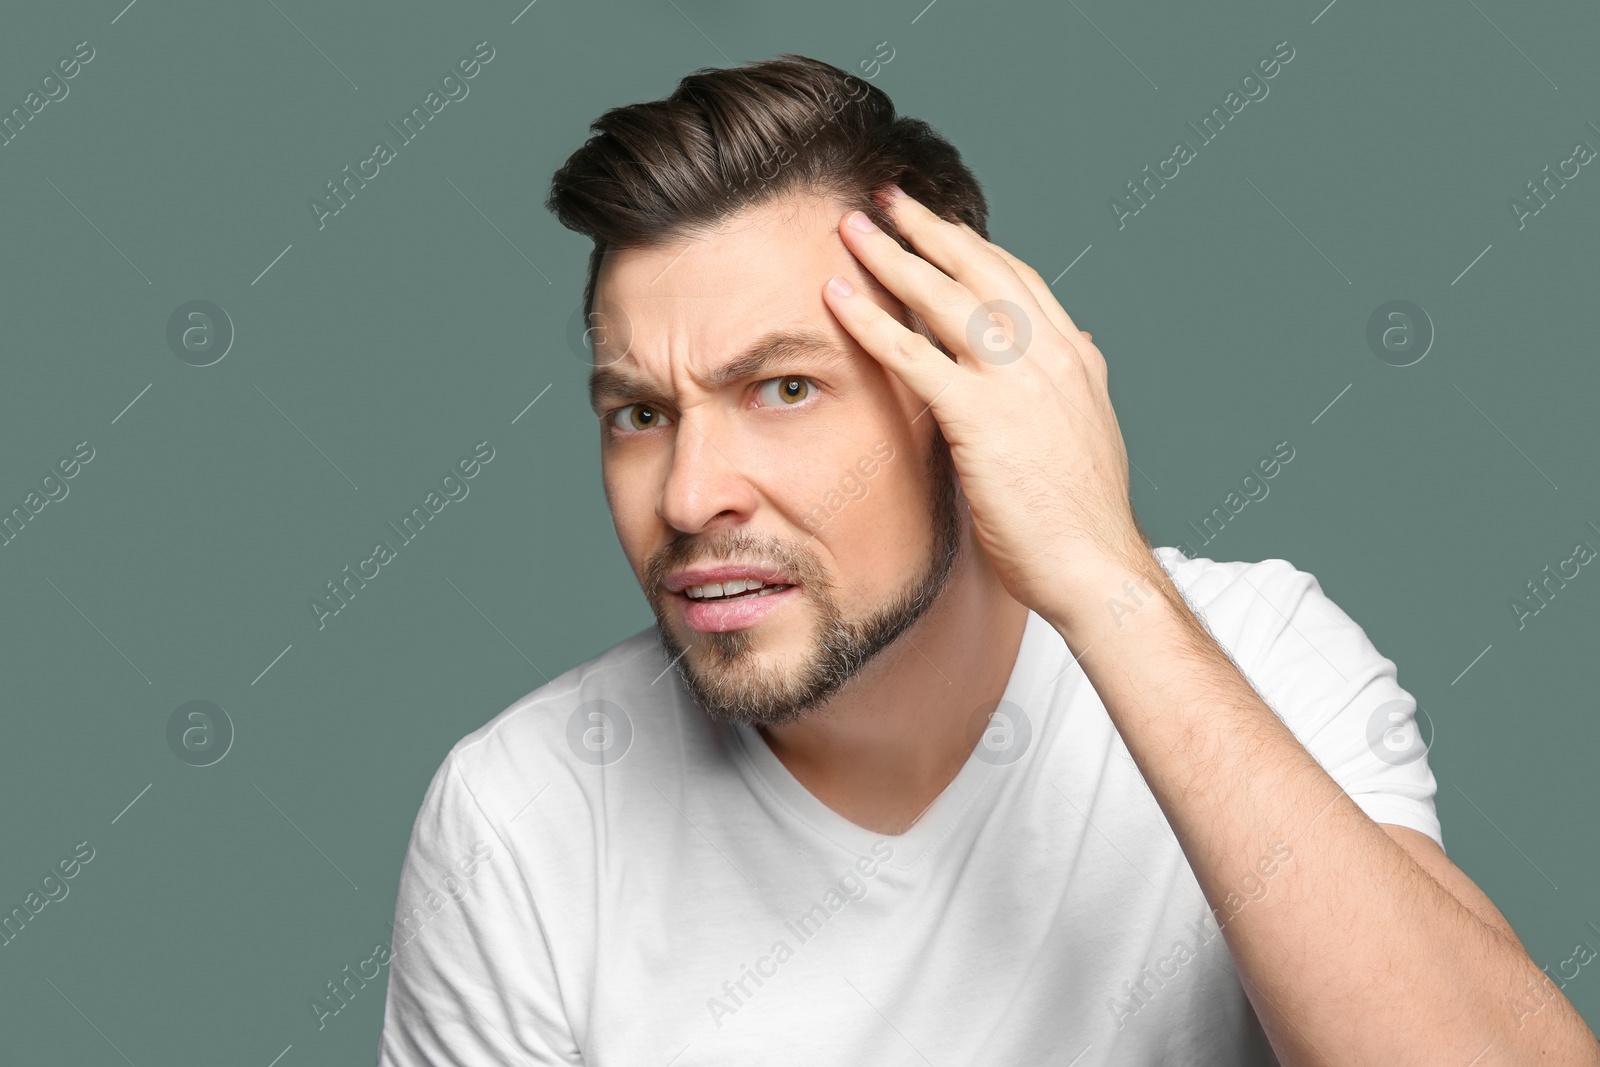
x,y
635,418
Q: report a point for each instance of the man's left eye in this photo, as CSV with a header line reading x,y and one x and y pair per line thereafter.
x,y
785,392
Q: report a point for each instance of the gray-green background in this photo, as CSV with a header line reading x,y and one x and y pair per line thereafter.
x,y
372,354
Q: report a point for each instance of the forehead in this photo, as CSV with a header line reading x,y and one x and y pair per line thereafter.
x,y
759,251
695,302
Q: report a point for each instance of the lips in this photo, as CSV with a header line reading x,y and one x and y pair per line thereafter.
x,y
738,613
768,574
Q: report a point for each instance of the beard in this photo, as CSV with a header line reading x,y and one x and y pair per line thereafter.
x,y
733,686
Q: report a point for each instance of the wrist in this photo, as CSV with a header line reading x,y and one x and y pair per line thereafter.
x,y
1107,598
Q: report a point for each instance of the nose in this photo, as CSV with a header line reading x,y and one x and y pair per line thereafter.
x,y
704,490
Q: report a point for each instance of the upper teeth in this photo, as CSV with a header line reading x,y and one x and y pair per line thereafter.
x,y
728,588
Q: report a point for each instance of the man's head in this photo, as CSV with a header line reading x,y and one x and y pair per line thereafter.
x,y
740,422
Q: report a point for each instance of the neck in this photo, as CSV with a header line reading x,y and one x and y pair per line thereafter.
x,y
889,743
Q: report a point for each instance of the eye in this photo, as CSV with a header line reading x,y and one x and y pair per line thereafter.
x,y
634,418
791,390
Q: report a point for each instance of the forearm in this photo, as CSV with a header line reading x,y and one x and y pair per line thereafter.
x,y
1355,954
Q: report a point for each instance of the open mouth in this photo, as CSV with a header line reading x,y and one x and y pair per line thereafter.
x,y
735,590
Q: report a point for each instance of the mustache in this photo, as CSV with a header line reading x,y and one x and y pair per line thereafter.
x,y
735,546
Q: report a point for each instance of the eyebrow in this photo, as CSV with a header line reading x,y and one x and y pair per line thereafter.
x,y
784,346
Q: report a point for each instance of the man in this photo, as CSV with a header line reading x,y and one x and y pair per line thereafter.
x,y
930,756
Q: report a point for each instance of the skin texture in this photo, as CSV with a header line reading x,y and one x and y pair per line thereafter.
x,y
730,680
1378,949
1372,948
725,474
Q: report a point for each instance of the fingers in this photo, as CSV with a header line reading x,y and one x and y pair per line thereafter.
x,y
962,284
954,248
1039,289
942,301
911,357
1082,341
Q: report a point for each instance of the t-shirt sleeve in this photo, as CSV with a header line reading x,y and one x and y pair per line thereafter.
x,y
471,980
1316,668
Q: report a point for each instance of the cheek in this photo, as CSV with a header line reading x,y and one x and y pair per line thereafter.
x,y
879,541
632,508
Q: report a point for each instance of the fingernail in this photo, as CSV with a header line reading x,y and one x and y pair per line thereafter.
x,y
895,192
840,287
859,221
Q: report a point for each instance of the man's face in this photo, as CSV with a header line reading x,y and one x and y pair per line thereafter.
x,y
817,466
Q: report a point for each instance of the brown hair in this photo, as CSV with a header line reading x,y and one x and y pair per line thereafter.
x,y
729,138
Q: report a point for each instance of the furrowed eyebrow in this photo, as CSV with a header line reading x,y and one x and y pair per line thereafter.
x,y
780,347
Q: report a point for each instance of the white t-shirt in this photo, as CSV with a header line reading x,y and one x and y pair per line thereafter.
x,y
602,875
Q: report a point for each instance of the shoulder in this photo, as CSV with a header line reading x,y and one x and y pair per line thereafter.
x,y
1316,668
1277,623
1210,577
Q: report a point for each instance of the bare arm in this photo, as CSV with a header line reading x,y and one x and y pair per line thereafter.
x,y
1372,946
